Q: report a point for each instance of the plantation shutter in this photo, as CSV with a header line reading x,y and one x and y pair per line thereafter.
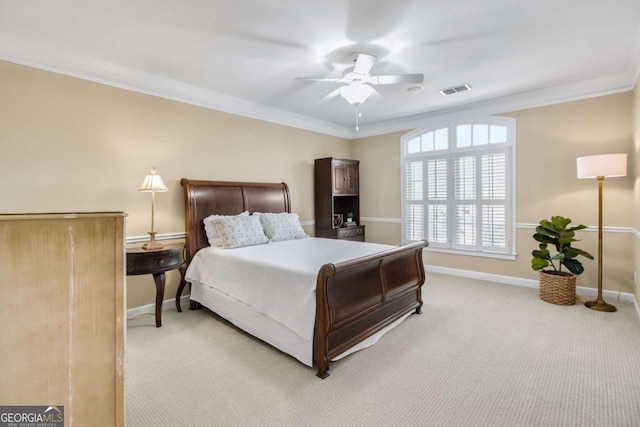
x,y
437,223
465,215
494,175
458,189
414,191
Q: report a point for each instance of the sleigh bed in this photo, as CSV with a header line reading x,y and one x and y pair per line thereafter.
x,y
356,300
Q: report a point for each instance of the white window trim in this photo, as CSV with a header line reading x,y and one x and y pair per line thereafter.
x,y
510,123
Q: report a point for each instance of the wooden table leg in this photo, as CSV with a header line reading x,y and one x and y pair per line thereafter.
x,y
159,279
181,287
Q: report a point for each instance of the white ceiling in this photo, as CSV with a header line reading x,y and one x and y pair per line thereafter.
x,y
242,56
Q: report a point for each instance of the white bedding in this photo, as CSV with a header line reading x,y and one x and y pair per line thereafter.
x,y
276,279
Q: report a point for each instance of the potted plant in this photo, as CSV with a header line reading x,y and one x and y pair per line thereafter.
x,y
557,286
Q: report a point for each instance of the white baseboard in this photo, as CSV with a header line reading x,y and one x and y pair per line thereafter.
x,y
151,308
530,283
469,274
509,280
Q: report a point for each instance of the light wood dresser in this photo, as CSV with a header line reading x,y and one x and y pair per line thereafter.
x,y
62,314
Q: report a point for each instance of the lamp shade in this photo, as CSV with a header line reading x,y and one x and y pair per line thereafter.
x,y
605,165
153,183
356,93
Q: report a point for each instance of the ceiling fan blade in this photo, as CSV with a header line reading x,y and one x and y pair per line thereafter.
x,y
364,63
329,96
396,79
376,95
321,79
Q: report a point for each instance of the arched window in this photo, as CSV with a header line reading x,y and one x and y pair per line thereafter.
x,y
458,187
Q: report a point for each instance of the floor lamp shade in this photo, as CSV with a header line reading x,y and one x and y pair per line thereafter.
x,y
153,183
604,165
601,167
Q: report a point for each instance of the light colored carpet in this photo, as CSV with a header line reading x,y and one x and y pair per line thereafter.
x,y
481,354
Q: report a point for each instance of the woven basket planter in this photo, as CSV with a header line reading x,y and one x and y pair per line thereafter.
x,y
558,288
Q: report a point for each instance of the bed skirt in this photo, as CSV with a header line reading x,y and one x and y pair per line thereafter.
x,y
268,330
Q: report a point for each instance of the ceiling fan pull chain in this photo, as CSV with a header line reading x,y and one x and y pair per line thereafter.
x,y
357,117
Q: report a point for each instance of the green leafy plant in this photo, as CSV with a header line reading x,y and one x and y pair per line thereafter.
x,y
557,234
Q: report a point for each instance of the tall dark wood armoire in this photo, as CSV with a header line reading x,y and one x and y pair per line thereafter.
x,y
337,199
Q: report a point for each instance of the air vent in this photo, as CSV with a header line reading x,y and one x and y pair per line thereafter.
x,y
455,89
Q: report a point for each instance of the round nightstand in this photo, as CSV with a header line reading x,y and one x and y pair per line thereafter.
x,y
157,262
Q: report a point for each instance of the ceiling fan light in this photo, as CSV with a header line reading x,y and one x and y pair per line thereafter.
x,y
356,93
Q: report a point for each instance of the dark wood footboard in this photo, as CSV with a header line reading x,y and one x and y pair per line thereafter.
x,y
357,298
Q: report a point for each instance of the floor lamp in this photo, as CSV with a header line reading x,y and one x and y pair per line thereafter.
x,y
601,167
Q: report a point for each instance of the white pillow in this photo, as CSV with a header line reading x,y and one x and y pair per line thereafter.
x,y
210,227
241,230
282,226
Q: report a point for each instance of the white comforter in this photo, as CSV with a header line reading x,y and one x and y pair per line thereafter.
x,y
277,279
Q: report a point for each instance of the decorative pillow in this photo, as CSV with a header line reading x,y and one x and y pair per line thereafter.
x,y
282,226
241,230
210,227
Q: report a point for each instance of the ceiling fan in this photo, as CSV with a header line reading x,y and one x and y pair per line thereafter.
x,y
359,83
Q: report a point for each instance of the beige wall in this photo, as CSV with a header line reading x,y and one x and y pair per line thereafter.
x,y
548,141
380,185
73,145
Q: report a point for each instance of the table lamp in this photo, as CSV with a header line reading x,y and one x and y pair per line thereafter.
x,y
152,183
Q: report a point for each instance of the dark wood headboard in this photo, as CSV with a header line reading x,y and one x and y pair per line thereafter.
x,y
204,198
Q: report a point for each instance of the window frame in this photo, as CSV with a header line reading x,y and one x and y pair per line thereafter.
x,y
452,152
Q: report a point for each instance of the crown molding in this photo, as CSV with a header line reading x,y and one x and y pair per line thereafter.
x,y
151,84
35,56
634,59
536,98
